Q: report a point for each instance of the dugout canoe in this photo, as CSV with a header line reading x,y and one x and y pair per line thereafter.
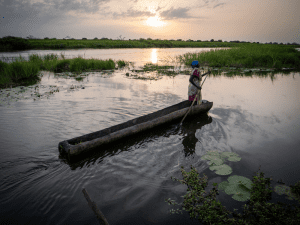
x,y
76,146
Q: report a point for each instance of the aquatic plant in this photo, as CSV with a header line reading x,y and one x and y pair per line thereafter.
x,y
247,56
208,210
121,63
216,161
239,186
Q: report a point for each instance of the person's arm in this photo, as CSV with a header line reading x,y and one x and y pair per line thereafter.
x,y
209,72
192,81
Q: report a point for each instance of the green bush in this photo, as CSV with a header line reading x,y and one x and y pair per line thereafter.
x,y
14,43
62,65
208,210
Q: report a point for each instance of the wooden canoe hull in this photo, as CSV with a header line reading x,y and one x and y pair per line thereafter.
x,y
76,146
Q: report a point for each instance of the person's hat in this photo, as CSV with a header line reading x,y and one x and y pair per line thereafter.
x,y
195,64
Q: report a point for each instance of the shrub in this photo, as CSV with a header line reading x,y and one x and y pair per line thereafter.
x,y
15,43
95,38
208,210
212,40
46,38
84,38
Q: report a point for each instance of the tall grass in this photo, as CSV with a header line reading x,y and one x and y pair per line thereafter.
x,y
22,72
247,56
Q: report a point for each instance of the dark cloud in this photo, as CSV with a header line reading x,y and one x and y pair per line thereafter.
x,y
175,13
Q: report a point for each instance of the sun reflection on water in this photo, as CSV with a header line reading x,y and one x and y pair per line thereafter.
x,y
154,56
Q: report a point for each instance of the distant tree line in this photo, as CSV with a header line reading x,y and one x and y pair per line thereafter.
x,y
18,43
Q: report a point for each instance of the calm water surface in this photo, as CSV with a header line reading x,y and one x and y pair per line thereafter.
x,y
255,117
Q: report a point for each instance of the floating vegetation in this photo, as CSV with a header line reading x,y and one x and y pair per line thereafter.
x,y
34,92
286,190
143,76
216,161
152,71
238,186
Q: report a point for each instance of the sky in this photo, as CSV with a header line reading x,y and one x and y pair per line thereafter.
x,y
227,20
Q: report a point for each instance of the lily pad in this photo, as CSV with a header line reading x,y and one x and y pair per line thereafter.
x,y
234,159
216,161
222,169
283,189
238,186
235,179
207,157
223,185
232,189
241,196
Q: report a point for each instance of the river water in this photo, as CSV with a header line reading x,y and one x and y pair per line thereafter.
x,y
255,117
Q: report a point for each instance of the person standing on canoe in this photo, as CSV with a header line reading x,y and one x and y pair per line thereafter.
x,y
195,82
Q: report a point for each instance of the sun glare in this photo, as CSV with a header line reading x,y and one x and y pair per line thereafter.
x,y
154,22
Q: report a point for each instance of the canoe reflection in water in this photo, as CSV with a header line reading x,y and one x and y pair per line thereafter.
x,y
73,149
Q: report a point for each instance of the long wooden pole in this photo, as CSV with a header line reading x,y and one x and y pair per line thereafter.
x,y
102,220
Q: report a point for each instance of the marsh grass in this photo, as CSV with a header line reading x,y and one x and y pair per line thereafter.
x,y
22,72
247,56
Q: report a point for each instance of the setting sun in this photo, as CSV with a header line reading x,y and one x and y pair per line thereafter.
x,y
154,22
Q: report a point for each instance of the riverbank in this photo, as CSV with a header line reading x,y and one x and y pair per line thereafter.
x,y
15,43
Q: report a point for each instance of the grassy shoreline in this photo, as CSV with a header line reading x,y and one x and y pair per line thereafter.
x,y
14,43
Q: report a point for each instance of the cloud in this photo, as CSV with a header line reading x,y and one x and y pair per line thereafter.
x,y
44,6
175,13
217,5
210,4
132,13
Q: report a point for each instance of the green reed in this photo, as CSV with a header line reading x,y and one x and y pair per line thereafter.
x,y
22,72
247,56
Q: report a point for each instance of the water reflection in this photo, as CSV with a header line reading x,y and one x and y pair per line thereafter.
x,y
254,117
154,56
